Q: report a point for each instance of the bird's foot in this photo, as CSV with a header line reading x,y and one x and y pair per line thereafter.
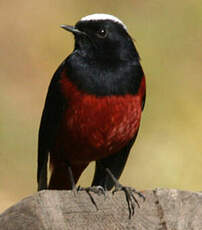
x,y
99,190
130,198
95,189
129,194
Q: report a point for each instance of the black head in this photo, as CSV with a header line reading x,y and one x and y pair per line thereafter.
x,y
104,55
102,36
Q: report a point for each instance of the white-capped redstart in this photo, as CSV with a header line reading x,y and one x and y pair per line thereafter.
x,y
93,105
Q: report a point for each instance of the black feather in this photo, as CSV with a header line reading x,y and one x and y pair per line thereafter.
x,y
50,121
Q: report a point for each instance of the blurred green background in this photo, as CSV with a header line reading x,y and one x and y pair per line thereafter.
x,y
168,34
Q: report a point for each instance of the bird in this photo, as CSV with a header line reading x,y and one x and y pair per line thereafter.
x,y
93,106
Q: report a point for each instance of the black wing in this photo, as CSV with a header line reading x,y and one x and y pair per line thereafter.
x,y
51,116
115,163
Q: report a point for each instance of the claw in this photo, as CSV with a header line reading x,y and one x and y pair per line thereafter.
x,y
129,194
130,198
95,189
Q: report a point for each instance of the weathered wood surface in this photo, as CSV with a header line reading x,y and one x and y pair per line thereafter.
x,y
163,209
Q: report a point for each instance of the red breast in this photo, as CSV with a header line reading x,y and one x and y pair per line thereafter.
x,y
94,127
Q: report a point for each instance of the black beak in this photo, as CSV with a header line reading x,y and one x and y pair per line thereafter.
x,y
72,29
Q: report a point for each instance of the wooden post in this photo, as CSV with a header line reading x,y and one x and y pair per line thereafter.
x,y
163,209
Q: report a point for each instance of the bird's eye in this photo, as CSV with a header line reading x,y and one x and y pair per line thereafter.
x,y
101,33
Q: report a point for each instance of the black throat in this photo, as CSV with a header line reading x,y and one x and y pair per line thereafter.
x,y
104,77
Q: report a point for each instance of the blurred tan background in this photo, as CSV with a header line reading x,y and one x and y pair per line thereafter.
x,y
168,34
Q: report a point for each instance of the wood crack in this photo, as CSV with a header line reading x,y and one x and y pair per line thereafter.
x,y
160,212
